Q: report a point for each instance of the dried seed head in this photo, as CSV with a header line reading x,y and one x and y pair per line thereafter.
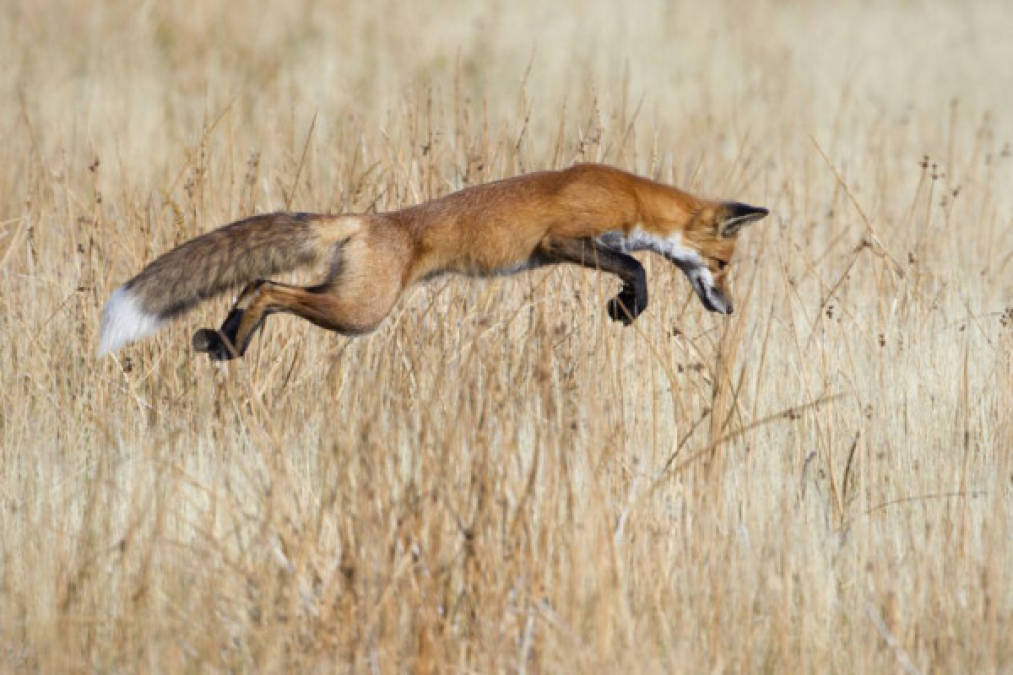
x,y
1006,320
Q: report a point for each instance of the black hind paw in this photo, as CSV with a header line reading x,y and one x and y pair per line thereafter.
x,y
214,344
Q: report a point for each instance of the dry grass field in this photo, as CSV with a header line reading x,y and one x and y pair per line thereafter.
x,y
500,479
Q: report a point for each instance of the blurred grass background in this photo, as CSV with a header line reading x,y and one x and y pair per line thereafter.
x,y
500,479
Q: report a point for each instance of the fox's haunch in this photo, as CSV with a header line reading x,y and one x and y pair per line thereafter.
x,y
205,266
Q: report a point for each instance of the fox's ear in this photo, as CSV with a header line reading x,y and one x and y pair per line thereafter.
x,y
735,215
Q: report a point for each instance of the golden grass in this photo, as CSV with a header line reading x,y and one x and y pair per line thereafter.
x,y
500,479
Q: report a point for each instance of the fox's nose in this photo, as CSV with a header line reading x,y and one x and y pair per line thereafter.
x,y
716,301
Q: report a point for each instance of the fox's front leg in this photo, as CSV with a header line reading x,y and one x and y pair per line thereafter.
x,y
632,298
629,304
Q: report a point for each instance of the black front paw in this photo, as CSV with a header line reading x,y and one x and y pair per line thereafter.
x,y
626,306
618,311
214,344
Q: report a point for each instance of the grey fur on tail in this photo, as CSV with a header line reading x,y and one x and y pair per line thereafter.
x,y
206,266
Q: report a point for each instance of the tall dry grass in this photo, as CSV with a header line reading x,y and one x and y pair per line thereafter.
x,y
500,479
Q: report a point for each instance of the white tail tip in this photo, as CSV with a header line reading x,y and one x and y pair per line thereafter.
x,y
124,321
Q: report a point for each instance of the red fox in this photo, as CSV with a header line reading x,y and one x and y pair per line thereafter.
x,y
589,214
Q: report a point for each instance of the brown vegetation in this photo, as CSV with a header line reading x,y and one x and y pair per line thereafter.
x,y
500,478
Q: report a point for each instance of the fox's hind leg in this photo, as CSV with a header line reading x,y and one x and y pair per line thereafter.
x,y
328,305
225,343
358,294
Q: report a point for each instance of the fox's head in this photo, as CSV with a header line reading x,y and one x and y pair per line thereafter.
x,y
711,234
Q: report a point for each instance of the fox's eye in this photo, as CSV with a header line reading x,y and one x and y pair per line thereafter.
x,y
721,263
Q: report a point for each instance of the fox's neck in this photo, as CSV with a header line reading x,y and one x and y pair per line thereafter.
x,y
660,203
664,213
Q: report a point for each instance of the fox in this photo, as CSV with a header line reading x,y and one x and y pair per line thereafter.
x,y
590,215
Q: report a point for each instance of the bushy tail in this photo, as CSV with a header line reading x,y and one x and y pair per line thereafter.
x,y
205,266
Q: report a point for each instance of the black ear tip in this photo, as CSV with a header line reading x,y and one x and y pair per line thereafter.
x,y
740,210
737,215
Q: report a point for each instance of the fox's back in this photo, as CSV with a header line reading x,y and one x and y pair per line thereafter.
x,y
490,227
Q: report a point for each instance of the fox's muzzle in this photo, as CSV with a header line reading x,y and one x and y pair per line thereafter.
x,y
715,301
710,295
